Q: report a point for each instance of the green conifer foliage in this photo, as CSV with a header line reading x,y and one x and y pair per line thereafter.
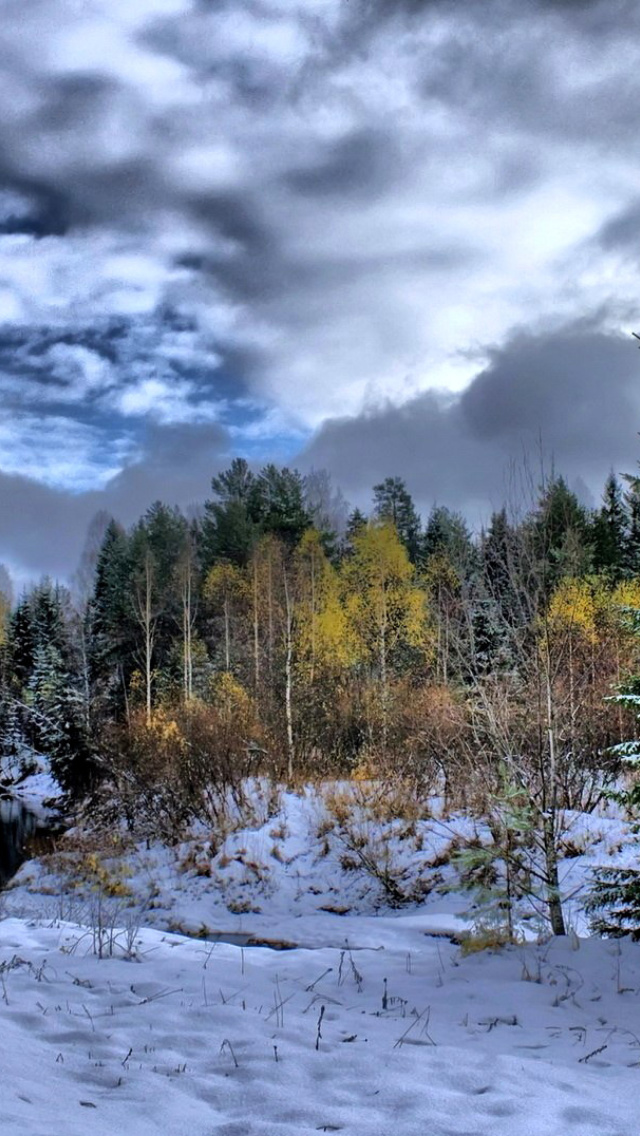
x,y
55,706
610,531
228,529
394,503
446,534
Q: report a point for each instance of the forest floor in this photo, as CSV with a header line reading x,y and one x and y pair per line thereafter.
x,y
269,980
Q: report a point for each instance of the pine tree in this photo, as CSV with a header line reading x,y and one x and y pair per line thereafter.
x,y
393,503
561,531
446,534
55,706
610,531
228,529
632,549
277,504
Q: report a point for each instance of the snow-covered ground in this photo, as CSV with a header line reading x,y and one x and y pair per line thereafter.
x,y
374,1022
193,1038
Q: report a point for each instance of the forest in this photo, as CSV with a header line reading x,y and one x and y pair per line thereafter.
x,y
277,632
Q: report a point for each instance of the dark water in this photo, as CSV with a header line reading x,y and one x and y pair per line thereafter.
x,y
17,825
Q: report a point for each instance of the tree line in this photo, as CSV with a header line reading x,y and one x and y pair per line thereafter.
x,y
280,632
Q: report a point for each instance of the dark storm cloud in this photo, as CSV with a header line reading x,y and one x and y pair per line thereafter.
x,y
37,210
362,163
40,155
622,232
376,11
43,528
290,205
570,399
523,66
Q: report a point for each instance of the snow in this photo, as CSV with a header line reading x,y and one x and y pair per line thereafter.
x,y
40,794
414,1037
419,1034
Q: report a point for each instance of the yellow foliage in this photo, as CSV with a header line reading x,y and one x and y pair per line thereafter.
x,y
324,640
627,594
485,939
225,583
574,607
440,575
106,881
589,609
385,607
165,728
230,696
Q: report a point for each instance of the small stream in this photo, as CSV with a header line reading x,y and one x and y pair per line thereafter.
x,y
17,826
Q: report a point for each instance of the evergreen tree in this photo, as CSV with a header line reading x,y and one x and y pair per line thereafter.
x,y
109,626
393,502
499,600
21,645
632,548
446,534
277,504
356,522
560,529
610,531
55,706
235,483
497,549
228,528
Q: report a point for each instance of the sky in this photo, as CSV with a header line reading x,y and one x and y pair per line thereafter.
x,y
385,237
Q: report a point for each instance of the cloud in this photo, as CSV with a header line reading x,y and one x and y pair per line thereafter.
x,y
569,399
259,216
43,527
55,451
320,208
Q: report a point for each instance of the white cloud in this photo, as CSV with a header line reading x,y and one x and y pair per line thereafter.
x,y
166,402
58,451
338,217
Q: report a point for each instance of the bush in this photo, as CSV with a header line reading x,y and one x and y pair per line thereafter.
x,y
188,763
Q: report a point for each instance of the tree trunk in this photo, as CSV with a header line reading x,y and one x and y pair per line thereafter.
x,y
550,811
227,651
383,672
554,902
187,621
256,628
289,676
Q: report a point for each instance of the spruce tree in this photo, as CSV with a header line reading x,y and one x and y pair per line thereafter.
x,y
394,503
21,644
109,625
356,522
446,534
632,547
55,706
561,531
610,531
